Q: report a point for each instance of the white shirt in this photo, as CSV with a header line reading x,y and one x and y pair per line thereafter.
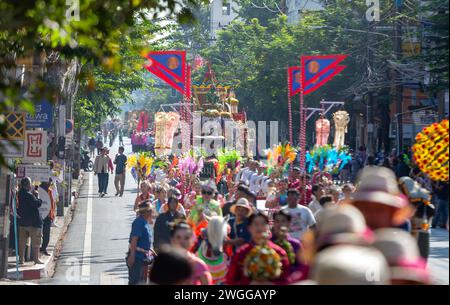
x,y
302,219
314,205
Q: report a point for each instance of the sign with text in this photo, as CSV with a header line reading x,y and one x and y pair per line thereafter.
x,y
35,147
8,150
35,172
43,116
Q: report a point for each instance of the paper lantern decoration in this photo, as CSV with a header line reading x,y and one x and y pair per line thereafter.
x,y
165,126
431,151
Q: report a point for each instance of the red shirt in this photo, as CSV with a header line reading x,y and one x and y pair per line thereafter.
x,y
236,276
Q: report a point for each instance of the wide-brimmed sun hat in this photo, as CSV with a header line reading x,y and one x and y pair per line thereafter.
x,y
378,185
242,202
350,265
402,253
342,225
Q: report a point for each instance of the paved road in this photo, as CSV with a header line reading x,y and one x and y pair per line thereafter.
x,y
438,262
96,241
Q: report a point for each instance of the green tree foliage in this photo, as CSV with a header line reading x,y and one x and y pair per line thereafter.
x,y
30,28
436,40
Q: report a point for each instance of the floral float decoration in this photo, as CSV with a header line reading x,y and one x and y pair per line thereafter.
x,y
327,159
430,151
262,263
280,157
228,163
140,165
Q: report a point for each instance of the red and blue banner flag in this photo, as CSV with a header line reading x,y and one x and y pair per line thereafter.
x,y
170,66
319,69
294,80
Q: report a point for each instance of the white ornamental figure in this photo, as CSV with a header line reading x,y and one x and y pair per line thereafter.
x,y
341,119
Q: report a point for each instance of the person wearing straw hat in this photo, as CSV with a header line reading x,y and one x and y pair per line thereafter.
x,y
239,234
350,265
140,251
341,225
402,253
379,199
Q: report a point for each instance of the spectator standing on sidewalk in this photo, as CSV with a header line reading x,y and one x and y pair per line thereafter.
x,y
99,145
91,145
30,221
119,180
101,167
48,220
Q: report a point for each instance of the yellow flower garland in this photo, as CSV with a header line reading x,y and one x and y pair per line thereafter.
x,y
431,150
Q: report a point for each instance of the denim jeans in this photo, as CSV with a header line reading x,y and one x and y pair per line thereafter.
x,y
102,182
136,273
441,216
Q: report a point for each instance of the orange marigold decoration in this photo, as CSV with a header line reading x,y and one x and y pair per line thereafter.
x,y
430,152
262,263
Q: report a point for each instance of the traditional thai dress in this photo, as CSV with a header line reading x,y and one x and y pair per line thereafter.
x,y
210,209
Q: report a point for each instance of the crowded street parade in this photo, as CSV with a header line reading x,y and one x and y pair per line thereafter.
x,y
224,143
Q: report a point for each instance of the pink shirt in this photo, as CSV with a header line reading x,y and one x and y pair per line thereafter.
x,y
200,269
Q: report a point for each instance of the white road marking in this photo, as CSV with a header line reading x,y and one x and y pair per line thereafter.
x,y
87,250
109,279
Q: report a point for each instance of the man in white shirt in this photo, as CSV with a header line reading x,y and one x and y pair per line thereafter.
x,y
302,217
317,192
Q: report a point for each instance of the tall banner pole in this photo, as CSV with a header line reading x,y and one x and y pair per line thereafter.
x,y
289,107
302,133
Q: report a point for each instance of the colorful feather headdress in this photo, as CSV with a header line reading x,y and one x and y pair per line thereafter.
x,y
327,158
280,157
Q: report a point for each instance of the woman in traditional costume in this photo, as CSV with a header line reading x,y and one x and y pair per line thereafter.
x,y
260,261
205,205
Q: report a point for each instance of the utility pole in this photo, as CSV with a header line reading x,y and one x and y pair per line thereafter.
x,y
398,77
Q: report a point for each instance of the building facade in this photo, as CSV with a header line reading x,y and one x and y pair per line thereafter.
x,y
294,8
222,12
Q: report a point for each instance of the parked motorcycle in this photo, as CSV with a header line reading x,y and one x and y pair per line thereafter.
x,y
86,164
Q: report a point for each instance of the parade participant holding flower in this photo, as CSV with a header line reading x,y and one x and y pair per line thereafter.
x,y
191,197
260,261
161,197
280,235
145,194
239,232
162,228
178,207
205,205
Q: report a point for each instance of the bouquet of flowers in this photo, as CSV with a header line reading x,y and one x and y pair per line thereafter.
x,y
280,157
140,165
262,263
430,152
228,162
190,165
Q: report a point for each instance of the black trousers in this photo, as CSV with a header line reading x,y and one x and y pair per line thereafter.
x,y
46,233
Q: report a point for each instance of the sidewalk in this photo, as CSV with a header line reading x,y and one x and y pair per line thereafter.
x,y
30,271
